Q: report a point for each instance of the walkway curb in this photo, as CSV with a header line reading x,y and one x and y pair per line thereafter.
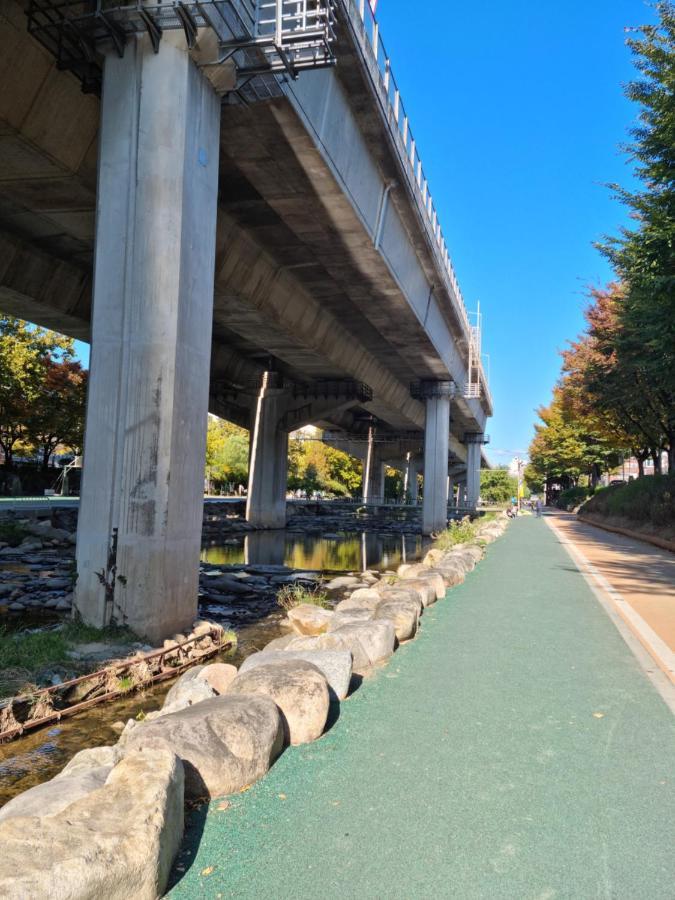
x,y
642,640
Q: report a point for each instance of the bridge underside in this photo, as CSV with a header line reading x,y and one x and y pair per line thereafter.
x,y
304,321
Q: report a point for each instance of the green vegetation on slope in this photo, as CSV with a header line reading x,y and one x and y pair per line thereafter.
x,y
647,501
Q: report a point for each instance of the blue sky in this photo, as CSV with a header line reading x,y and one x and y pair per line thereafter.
x,y
518,112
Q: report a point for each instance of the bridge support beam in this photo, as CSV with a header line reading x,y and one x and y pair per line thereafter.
x,y
140,518
373,472
436,395
473,445
410,485
268,463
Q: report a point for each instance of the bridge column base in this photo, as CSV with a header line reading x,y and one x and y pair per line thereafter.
x,y
140,518
436,440
473,445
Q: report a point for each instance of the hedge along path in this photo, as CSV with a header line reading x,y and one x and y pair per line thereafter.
x,y
515,749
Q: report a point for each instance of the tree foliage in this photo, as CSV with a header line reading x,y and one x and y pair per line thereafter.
x,y
226,453
643,255
315,467
42,391
497,485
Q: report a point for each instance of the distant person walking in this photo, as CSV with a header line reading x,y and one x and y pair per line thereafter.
x,y
539,507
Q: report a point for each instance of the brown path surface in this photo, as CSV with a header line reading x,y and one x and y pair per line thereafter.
x,y
641,573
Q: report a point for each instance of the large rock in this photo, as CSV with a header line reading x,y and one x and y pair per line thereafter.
x,y
364,598
308,619
378,639
53,796
341,582
219,676
403,615
191,688
116,842
334,641
225,743
424,588
421,594
424,572
280,643
299,690
452,570
351,616
472,550
334,665
464,559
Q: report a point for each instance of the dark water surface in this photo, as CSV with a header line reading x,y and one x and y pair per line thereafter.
x,y
333,552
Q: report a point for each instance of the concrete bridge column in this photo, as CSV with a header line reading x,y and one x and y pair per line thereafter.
x,y
140,515
373,472
268,464
410,486
436,395
473,445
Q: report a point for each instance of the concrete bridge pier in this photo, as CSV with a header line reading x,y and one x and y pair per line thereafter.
x,y
410,485
268,465
473,445
436,395
373,472
141,503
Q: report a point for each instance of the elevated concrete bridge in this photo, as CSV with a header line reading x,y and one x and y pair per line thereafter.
x,y
229,237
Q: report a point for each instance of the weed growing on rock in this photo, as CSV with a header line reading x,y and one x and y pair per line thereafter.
x,y
457,533
292,595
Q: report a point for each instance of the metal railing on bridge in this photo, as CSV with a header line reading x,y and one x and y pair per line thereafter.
x,y
366,30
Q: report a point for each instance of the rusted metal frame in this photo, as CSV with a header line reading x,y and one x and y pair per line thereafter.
x,y
57,715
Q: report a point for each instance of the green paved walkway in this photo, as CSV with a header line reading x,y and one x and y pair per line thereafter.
x,y
515,749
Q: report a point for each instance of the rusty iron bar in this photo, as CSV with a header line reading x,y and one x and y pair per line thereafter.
x,y
57,715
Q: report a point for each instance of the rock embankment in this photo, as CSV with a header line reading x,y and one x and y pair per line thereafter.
x,y
110,824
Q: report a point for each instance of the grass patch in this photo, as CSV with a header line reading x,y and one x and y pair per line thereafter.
x,y
649,500
455,533
12,534
292,595
23,656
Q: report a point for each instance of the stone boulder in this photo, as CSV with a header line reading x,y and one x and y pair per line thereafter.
x,y
402,614
334,665
309,619
364,598
280,643
53,796
378,639
334,641
190,689
424,589
225,743
452,570
351,616
115,842
341,582
464,559
422,594
424,572
300,691
219,676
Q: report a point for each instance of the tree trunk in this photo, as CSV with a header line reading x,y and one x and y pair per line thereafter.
x,y
671,458
641,466
46,454
657,462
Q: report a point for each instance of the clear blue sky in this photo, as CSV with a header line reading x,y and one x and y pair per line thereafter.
x,y
518,112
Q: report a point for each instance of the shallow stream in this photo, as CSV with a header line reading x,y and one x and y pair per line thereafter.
x,y
40,755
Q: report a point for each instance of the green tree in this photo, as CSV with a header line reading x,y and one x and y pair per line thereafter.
x,y
35,364
644,255
497,485
227,452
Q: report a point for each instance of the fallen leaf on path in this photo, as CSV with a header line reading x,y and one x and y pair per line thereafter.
x,y
224,805
598,715
208,870
282,796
